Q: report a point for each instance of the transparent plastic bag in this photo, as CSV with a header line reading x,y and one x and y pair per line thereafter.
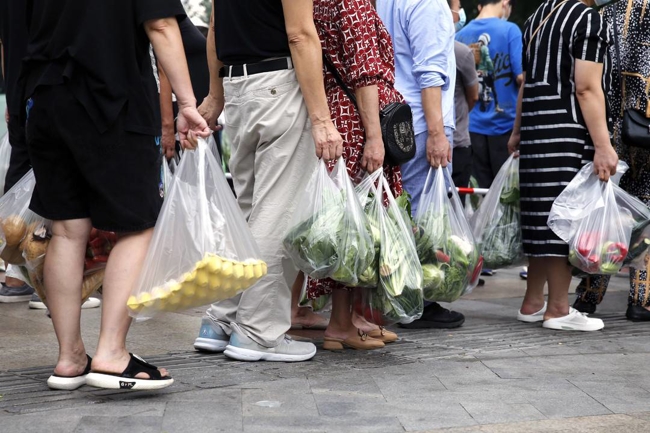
x,y
322,303
5,157
398,296
450,259
202,250
16,220
354,248
497,223
597,220
313,238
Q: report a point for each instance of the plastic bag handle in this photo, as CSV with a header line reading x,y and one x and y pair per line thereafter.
x,y
203,200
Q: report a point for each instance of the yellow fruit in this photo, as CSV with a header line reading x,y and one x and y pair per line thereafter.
x,y
202,263
173,287
249,273
264,268
202,278
214,281
226,269
133,303
189,289
238,271
214,264
257,270
160,292
145,299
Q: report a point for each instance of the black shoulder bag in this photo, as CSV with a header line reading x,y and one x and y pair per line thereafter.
x,y
396,120
636,126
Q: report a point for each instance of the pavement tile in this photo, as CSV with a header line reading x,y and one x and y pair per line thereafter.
x,y
197,416
279,398
498,412
434,414
341,424
103,424
617,396
34,424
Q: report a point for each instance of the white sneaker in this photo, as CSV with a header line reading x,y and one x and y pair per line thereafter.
x,y
574,321
243,348
532,318
36,304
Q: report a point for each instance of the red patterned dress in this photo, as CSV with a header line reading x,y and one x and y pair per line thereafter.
x,y
356,42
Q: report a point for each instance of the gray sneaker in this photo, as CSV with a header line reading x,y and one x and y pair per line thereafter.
x,y
211,337
15,294
243,348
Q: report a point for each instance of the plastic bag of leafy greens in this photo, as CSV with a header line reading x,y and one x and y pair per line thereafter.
x,y
354,245
497,223
313,238
398,296
445,244
365,191
597,219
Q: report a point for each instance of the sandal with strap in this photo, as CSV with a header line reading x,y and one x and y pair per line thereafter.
x,y
69,383
127,379
359,342
384,335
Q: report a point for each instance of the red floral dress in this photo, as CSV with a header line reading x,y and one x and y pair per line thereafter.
x,y
356,42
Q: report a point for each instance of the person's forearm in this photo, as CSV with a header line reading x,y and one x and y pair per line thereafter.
x,y
306,55
368,102
166,100
592,104
165,37
471,94
214,64
432,106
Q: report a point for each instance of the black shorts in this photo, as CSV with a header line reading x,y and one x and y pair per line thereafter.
x,y
114,178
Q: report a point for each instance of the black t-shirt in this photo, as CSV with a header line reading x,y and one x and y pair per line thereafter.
x,y
101,51
13,32
249,31
194,43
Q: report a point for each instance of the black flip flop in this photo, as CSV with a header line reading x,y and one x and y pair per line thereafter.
x,y
127,379
69,383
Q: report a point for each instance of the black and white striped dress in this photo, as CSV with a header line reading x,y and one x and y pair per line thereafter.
x,y
555,143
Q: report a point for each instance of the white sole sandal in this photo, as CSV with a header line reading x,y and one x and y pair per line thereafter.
x,y
67,383
127,379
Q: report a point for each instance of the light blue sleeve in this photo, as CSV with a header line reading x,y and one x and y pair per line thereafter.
x,y
430,29
515,42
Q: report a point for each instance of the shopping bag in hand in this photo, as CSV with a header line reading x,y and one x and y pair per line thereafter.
x,y
202,250
497,223
312,240
398,296
597,219
445,244
355,248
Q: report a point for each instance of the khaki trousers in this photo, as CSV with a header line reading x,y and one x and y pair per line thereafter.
x,y
272,159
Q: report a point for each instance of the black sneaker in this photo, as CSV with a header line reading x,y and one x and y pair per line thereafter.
x,y
437,317
636,313
584,307
15,294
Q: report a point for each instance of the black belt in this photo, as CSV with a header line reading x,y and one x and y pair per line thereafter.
x,y
255,68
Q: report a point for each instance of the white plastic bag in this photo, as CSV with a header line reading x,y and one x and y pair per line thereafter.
x,y
597,219
497,223
5,157
202,250
445,244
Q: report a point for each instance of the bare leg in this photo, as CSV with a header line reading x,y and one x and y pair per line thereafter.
x,y
534,298
303,316
340,325
559,279
63,275
122,271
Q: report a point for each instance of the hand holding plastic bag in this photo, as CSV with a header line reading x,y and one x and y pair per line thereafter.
x,y
312,240
497,223
398,297
202,250
445,244
597,220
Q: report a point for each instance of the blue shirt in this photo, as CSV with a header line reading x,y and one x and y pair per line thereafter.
x,y
500,83
423,39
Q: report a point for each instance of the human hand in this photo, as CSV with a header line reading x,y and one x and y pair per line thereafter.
x,y
513,144
210,109
191,125
168,141
373,154
605,162
438,150
328,141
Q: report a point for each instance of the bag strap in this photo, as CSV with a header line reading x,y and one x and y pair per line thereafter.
x,y
330,67
544,21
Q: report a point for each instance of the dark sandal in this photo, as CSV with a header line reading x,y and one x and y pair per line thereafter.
x,y
127,379
69,383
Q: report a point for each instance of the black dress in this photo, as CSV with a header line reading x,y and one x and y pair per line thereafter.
x,y
555,143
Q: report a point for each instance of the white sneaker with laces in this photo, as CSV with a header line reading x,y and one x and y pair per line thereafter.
x,y
574,321
532,318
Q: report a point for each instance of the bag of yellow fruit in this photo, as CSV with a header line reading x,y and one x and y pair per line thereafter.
x,y
202,250
17,221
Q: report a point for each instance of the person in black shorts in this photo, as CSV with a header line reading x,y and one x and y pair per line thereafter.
x,y
93,133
